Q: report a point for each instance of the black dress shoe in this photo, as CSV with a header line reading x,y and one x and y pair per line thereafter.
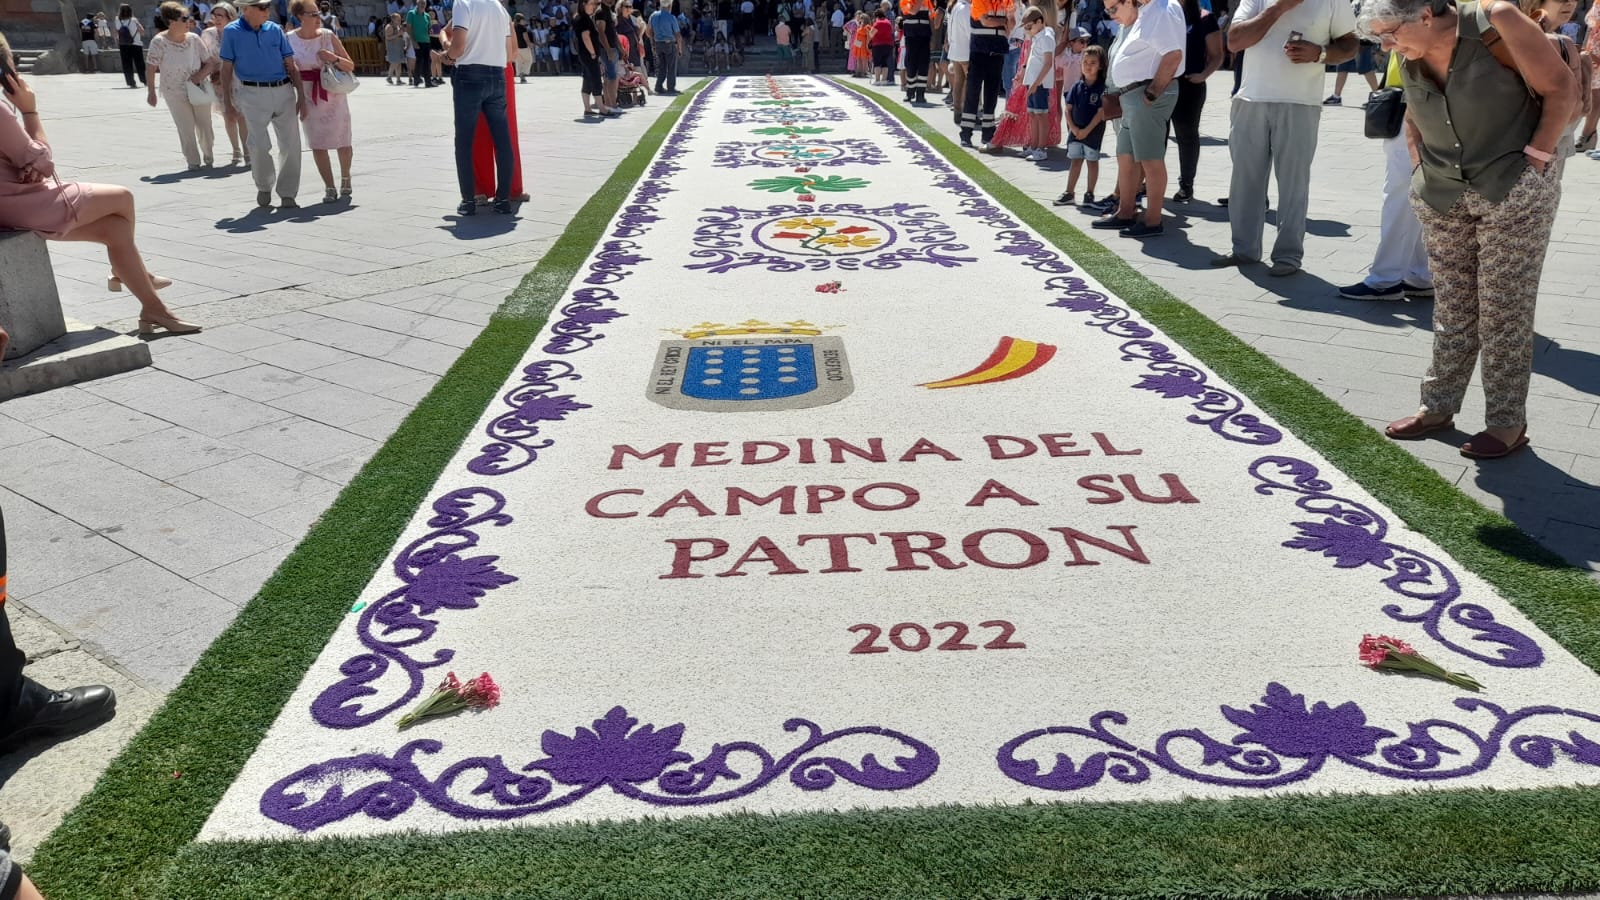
x,y
5,837
502,207
467,208
67,713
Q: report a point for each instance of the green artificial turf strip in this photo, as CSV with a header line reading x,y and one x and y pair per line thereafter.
x,y
1433,842
156,795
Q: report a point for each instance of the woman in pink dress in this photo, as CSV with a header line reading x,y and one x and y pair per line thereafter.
x,y
327,122
33,199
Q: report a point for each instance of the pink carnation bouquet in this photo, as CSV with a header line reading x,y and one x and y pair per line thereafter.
x,y
452,695
1379,651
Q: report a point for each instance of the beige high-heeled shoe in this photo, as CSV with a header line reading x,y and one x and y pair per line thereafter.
x,y
114,283
170,324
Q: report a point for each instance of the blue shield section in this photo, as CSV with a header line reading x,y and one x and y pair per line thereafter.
x,y
770,372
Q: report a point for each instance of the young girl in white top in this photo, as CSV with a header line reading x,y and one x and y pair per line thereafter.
x,y
1039,76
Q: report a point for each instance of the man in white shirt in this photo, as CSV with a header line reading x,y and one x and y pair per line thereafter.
x,y
1145,61
1275,118
835,25
479,44
957,50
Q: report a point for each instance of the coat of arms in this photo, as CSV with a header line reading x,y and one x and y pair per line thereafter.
x,y
750,366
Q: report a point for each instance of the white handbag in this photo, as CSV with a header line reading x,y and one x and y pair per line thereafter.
x,y
200,94
336,80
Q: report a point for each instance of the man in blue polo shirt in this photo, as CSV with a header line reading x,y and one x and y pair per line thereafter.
x,y
257,80
668,40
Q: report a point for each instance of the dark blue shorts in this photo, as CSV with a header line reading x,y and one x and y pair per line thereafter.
x,y
1039,100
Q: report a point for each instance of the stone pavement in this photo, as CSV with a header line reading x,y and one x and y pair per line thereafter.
x,y
144,510
1370,356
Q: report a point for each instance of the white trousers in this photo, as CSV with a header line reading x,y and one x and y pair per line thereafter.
x,y
524,61
1401,254
194,127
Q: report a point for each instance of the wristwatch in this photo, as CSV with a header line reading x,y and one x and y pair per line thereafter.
x,y
1322,55
1149,96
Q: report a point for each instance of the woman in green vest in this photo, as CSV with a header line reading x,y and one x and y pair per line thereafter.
x,y
1487,98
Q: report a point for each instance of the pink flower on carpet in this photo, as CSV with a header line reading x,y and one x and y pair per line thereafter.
x,y
452,696
808,198
830,287
1383,652
481,692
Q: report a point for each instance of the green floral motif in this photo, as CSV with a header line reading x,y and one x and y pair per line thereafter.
x,y
793,129
802,184
782,102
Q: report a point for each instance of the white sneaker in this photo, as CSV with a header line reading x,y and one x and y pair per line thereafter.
x,y
1038,155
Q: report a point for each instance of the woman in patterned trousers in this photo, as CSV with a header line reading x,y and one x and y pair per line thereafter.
x,y
1486,199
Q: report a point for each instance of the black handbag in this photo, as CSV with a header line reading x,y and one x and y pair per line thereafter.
x,y
1386,112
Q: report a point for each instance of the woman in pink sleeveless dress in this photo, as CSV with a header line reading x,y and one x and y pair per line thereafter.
x,y
327,121
33,199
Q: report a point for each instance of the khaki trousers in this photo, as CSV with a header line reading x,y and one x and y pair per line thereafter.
x,y
267,111
194,127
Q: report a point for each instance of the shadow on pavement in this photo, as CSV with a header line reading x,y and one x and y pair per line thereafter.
x,y
211,174
1546,503
1577,369
482,225
258,219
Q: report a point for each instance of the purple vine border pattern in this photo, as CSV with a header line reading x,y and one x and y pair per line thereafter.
x,y
1220,410
927,239
773,115
517,441
436,575
1354,536
640,763
1283,740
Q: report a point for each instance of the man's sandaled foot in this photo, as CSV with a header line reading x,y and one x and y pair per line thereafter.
x,y
1412,428
1484,445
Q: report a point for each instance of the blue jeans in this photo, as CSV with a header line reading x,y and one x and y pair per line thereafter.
x,y
481,90
1008,72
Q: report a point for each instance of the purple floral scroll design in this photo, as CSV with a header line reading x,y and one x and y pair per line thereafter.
x,y
642,763
515,439
1355,536
436,574
722,238
767,95
853,151
774,115
1283,739
587,310
1221,410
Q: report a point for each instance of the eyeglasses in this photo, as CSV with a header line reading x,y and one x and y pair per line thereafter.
x,y
1386,37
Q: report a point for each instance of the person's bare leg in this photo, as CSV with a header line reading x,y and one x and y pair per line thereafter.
x,y
1338,83
106,217
1127,187
345,155
1594,115
1155,190
324,167
1372,81
1094,176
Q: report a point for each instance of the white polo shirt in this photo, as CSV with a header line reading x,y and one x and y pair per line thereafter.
x,y
1269,75
1159,30
487,24
960,23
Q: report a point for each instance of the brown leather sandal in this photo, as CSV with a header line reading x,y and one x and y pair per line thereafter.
x,y
1412,428
1484,445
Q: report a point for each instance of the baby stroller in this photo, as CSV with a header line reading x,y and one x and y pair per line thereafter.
x,y
630,88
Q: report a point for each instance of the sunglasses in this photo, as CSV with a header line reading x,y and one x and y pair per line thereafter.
x,y
185,18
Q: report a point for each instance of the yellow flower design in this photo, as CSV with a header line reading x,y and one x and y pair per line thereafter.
x,y
847,240
801,222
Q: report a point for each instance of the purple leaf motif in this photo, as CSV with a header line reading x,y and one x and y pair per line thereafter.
x,y
613,752
1171,386
1284,724
598,315
548,408
1350,546
455,583
1080,304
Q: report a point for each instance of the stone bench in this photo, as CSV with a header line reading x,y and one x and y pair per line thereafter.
x,y
48,350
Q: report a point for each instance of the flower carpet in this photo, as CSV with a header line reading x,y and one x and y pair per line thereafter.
x,y
835,490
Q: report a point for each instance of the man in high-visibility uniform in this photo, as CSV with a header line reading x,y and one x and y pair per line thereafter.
x,y
916,23
991,20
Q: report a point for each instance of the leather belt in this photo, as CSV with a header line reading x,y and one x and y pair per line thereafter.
x,y
280,81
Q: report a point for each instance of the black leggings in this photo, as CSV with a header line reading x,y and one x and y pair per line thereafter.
x,y
132,62
1186,128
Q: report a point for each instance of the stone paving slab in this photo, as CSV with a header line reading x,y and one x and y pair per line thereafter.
x,y
1370,356
145,509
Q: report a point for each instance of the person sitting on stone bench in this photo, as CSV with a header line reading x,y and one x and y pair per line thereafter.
x,y
32,199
